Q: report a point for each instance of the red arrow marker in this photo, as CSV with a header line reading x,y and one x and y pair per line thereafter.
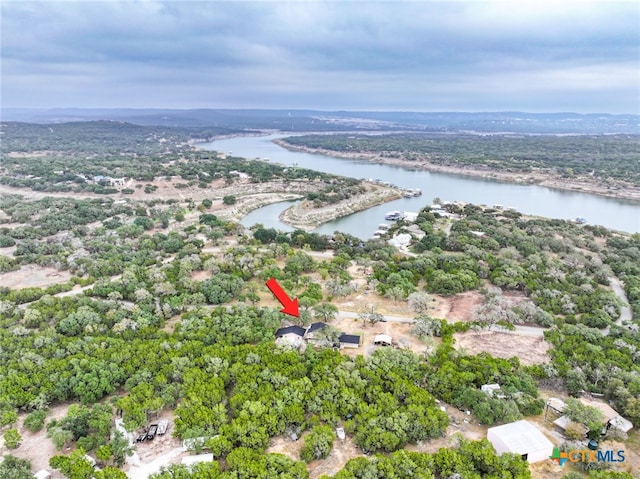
x,y
290,306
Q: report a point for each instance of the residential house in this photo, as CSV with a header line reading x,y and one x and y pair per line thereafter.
x,y
290,336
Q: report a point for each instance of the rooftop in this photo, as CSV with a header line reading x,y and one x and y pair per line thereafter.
x,y
608,412
315,327
520,437
297,330
349,338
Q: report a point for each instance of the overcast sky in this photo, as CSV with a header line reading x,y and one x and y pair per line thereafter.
x,y
521,55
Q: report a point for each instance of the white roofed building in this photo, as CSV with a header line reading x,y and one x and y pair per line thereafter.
x,y
523,438
382,340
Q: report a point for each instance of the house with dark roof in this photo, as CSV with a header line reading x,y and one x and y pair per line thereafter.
x,y
290,330
316,327
291,336
298,336
312,331
349,341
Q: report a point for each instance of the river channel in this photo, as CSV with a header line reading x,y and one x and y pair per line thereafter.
x,y
612,213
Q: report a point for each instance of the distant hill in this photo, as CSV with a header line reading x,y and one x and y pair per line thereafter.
x,y
313,120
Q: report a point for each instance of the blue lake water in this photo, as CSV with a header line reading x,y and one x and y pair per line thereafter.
x,y
612,213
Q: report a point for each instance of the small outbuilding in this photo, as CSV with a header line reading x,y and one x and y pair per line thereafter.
x,y
382,340
523,438
349,341
612,418
42,474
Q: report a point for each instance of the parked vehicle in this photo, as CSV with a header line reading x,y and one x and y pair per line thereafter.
x,y
162,426
152,431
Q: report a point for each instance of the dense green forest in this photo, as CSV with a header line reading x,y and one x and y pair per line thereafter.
x,y
104,138
604,157
169,317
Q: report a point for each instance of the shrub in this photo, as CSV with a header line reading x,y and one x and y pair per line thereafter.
x,y
8,417
12,438
317,444
35,421
575,431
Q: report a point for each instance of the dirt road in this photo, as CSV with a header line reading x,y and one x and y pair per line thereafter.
x,y
520,330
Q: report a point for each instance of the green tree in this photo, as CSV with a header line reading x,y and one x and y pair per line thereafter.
x,y
590,416
35,420
13,467
12,438
74,466
419,302
110,473
325,311
317,444
8,417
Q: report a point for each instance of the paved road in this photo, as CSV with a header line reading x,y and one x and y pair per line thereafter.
x,y
524,331
390,319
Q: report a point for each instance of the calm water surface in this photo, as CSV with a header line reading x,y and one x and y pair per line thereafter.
x,y
529,199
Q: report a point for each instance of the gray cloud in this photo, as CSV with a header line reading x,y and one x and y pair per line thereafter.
x,y
421,55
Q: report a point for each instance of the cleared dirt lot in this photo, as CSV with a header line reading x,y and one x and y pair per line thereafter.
x,y
529,350
35,446
457,308
33,276
399,332
340,454
461,306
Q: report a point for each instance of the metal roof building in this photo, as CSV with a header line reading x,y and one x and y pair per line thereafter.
x,y
523,438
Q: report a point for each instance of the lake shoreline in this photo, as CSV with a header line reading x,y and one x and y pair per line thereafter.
x,y
304,215
578,185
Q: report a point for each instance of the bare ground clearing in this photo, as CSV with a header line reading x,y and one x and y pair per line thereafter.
x,y
529,350
460,425
461,306
33,276
457,308
399,332
340,454
8,250
35,446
